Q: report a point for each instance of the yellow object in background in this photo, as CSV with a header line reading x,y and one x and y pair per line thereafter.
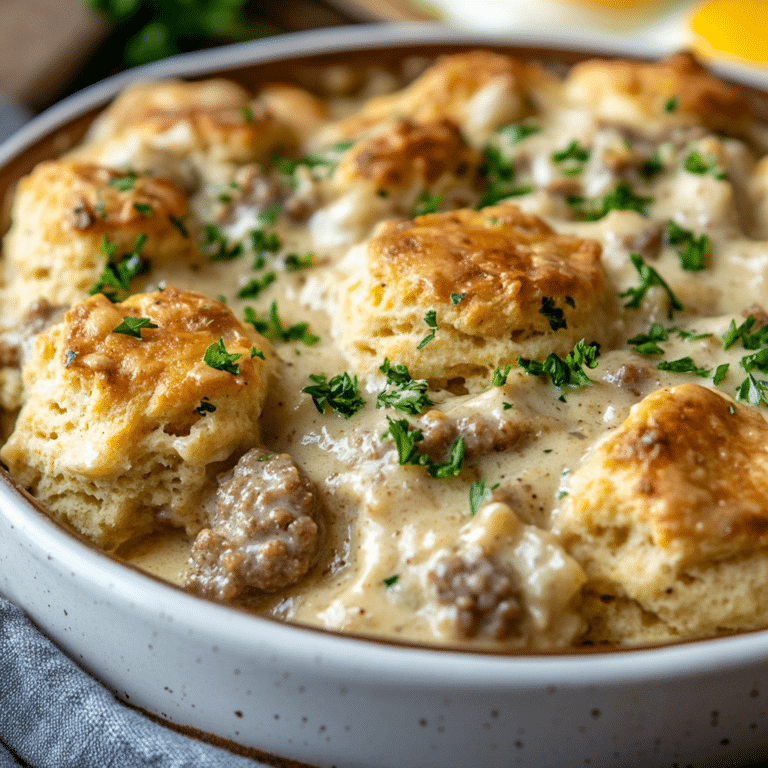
x,y
737,28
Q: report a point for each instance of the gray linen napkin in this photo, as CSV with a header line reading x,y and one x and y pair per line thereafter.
x,y
54,715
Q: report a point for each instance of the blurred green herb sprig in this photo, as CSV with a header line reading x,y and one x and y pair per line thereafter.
x,y
153,29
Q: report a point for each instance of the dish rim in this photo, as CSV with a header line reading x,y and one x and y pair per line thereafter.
x,y
385,660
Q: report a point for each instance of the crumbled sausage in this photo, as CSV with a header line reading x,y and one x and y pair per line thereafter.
x,y
631,377
14,342
481,434
263,533
485,596
646,242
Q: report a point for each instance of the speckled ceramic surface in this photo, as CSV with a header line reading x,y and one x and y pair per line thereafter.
x,y
328,700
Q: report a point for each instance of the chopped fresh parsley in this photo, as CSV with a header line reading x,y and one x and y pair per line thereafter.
x,y
683,365
431,320
206,406
403,393
574,156
477,495
568,372
516,132
646,343
118,275
555,316
220,250
499,378
622,198
693,250
649,277
670,105
247,114
456,298
144,209
257,353
273,325
405,442
268,216
651,167
425,203
123,183
131,326
390,581
757,360
265,242
753,391
340,393
720,373
695,163
294,262
216,356
178,222
749,340
499,174
254,287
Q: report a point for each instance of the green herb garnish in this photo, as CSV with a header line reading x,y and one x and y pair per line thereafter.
x,y
404,393
555,316
516,132
425,203
390,581
405,442
118,275
216,356
693,249
499,378
340,394
683,365
649,277
206,406
131,326
273,325
431,320
622,198
568,372
254,287
574,155
220,248
646,343
456,298
294,262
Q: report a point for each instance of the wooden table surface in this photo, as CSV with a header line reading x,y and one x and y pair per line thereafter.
x,y
46,44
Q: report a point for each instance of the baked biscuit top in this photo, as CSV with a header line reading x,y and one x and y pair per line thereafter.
x,y
675,91
500,260
689,463
164,371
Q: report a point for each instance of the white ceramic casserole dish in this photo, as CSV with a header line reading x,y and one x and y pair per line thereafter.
x,y
326,699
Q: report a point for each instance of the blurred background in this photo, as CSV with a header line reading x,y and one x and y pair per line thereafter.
x,y
50,48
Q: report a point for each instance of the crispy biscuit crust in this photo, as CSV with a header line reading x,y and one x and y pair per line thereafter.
x,y
669,511
501,261
639,94
61,212
112,438
214,118
448,88
409,153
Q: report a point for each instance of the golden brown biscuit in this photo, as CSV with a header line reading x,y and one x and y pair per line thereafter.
x,y
61,213
651,97
210,121
409,157
670,511
485,274
119,434
479,91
